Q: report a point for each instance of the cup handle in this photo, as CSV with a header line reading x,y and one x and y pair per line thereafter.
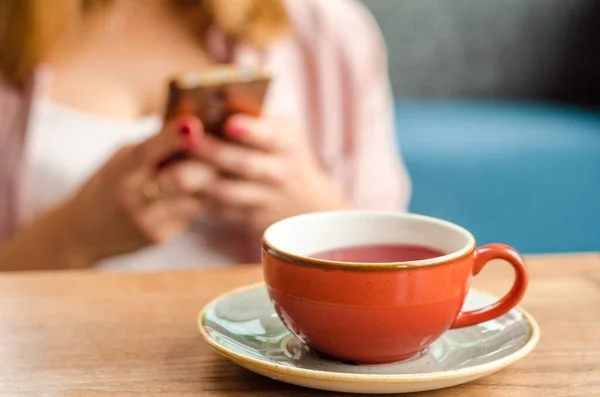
x,y
483,255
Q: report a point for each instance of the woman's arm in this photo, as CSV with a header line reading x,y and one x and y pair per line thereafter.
x,y
382,181
47,243
378,176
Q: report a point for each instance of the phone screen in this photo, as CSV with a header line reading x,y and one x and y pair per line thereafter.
x,y
213,96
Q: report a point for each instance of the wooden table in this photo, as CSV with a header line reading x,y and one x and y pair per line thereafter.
x,y
88,334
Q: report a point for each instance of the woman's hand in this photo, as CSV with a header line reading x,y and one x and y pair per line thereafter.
x,y
274,173
136,198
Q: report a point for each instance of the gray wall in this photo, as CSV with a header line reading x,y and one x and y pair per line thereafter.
x,y
528,49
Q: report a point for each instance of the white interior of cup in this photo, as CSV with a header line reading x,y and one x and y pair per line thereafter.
x,y
306,235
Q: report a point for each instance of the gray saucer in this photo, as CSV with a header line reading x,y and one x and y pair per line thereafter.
x,y
243,327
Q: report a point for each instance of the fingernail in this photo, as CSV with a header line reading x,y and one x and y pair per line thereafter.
x,y
235,132
185,130
189,139
236,128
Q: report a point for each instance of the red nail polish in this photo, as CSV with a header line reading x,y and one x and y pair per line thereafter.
x,y
185,130
235,132
189,139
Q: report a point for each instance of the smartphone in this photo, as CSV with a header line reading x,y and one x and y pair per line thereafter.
x,y
214,94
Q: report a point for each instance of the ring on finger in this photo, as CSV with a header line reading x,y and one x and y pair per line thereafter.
x,y
152,192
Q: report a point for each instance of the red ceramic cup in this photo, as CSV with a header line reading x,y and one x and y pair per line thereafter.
x,y
372,313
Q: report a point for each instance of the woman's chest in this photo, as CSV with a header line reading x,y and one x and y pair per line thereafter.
x,y
127,80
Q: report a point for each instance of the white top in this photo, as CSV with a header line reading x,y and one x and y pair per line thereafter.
x,y
67,146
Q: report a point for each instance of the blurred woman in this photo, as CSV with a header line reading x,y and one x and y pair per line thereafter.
x,y
81,137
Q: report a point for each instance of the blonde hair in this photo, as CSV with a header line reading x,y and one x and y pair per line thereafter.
x,y
30,28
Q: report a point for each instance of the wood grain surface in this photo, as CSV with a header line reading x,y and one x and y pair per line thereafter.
x,y
89,334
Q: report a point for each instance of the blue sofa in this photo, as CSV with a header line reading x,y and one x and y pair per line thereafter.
x,y
497,117
523,174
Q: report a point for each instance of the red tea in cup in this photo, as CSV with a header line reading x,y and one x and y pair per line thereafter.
x,y
379,253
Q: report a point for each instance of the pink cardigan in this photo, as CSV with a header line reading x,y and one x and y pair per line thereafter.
x,y
334,66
